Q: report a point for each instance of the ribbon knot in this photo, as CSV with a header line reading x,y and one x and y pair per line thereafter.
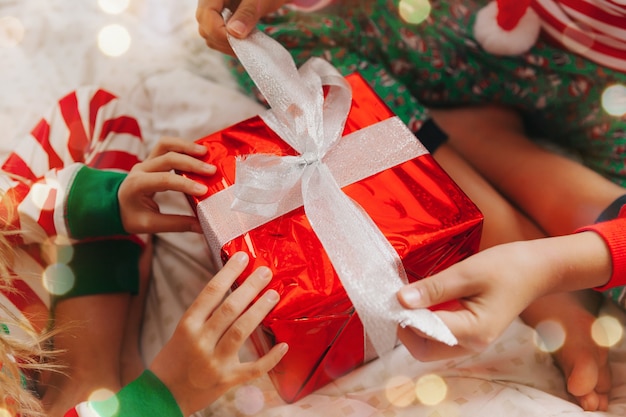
x,y
309,158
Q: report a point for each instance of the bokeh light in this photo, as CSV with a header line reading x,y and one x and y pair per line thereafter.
x,y
414,11
400,391
114,40
5,413
113,6
58,279
107,408
576,40
614,100
57,250
249,400
11,31
431,389
100,394
549,336
607,331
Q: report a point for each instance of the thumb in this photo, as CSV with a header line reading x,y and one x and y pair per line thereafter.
x,y
437,289
244,18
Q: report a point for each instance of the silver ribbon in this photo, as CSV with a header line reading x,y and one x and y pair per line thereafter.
x,y
268,186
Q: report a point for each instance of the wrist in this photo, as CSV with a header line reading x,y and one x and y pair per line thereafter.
x,y
579,261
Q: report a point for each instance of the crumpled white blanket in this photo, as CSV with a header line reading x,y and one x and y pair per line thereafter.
x,y
178,87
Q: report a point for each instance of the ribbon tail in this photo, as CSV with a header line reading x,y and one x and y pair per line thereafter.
x,y
367,265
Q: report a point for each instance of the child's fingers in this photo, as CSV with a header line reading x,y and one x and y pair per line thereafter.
x,y
251,370
241,328
211,26
226,318
213,293
154,182
173,144
425,349
444,286
164,223
176,161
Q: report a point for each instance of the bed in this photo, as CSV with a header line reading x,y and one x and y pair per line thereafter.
x,y
177,86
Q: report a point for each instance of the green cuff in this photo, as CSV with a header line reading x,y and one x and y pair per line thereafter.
x,y
145,396
96,267
92,206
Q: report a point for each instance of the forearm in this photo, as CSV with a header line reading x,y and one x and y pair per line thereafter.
x,y
560,194
574,262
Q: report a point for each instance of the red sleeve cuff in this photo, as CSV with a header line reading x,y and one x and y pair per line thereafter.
x,y
614,234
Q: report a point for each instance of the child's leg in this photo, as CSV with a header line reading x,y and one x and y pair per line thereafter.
x,y
87,127
131,361
583,362
92,329
483,138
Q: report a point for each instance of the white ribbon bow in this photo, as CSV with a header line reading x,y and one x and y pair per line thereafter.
x,y
268,186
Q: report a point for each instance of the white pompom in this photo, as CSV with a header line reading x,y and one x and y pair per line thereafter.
x,y
498,41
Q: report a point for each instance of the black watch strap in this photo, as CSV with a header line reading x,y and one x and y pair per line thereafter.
x,y
612,211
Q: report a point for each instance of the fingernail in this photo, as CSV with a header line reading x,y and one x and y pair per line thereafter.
x,y
411,296
200,188
237,27
201,149
240,257
283,348
264,273
209,168
272,296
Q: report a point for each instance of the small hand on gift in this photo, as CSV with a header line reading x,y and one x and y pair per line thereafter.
x,y
246,14
138,210
201,360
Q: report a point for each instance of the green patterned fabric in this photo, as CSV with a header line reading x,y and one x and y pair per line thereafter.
x,y
438,63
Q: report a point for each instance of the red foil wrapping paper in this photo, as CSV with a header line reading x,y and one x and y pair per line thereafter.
x,y
425,216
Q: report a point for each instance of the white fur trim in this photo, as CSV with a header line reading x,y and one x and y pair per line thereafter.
x,y
498,41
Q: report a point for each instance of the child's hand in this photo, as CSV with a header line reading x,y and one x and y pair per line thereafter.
x,y
201,362
139,212
246,14
494,286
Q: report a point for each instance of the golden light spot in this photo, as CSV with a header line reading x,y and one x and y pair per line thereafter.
x,y
249,400
614,100
5,413
549,336
431,389
607,331
110,407
11,31
576,40
113,6
400,391
57,251
100,394
58,279
114,40
414,11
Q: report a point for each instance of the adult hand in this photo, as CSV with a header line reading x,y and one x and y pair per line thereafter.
x,y
201,362
139,212
246,14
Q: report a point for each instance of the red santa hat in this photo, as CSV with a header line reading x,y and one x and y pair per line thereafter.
x,y
507,27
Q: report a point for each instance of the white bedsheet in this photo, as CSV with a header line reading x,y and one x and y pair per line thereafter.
x,y
179,87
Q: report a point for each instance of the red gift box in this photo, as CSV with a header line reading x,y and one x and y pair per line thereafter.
x,y
428,220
